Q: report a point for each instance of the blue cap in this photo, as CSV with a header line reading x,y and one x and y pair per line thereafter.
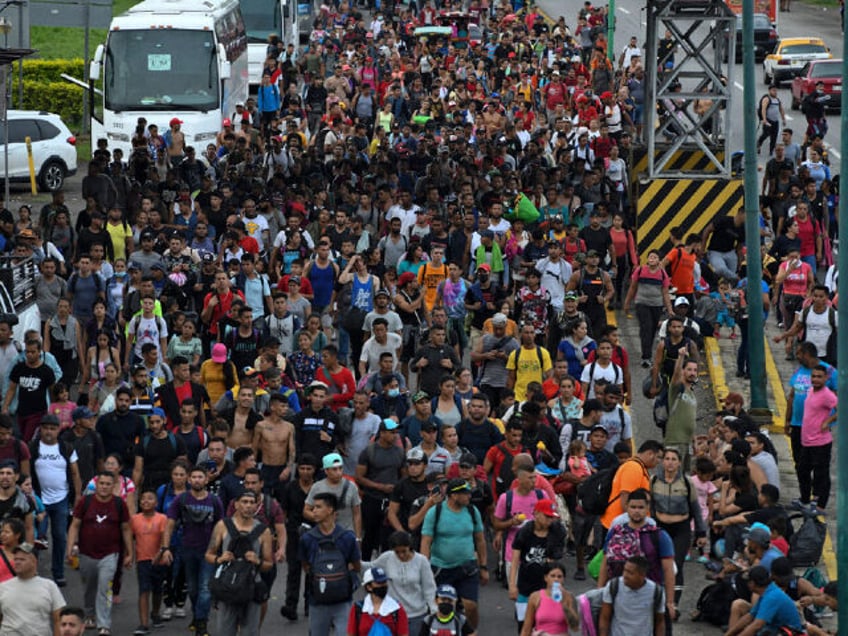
x,y
446,591
157,411
388,424
81,413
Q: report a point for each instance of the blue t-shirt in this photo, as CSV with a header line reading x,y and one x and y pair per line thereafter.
x,y
800,384
776,609
454,540
769,556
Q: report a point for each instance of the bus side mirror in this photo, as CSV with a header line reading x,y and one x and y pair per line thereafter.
x,y
96,61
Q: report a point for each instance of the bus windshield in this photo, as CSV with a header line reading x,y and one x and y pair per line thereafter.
x,y
161,70
261,18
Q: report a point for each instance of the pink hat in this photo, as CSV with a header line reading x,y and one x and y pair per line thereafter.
x,y
219,353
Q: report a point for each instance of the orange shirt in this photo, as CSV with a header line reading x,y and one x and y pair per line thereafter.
x,y
148,533
682,266
631,476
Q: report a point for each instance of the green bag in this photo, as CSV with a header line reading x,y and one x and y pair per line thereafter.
x,y
594,567
523,209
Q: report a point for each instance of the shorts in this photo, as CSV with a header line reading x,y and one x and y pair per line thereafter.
x,y
464,578
150,577
410,338
582,525
269,577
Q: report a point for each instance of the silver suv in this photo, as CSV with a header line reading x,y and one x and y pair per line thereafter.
x,y
53,148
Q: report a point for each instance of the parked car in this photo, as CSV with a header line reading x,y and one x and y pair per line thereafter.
x,y
765,37
790,56
53,148
827,71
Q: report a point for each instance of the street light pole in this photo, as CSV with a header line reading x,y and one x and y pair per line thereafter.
x,y
611,31
754,263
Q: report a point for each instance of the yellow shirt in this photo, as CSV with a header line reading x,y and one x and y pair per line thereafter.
x,y
429,277
525,363
119,234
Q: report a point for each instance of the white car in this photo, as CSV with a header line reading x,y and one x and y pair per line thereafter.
x,y
790,57
53,148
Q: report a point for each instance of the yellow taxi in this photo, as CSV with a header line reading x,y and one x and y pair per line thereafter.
x,y
790,56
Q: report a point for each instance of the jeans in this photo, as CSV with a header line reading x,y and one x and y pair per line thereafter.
x,y
58,515
724,264
681,536
329,619
811,261
197,573
814,473
97,577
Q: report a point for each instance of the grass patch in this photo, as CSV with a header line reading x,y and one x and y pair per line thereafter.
x,y
83,147
65,42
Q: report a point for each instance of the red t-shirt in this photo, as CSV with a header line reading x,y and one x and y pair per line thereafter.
x,y
8,451
100,530
220,310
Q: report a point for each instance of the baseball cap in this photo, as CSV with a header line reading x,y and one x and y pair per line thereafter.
x,y
429,427
388,424
25,547
208,257
469,459
592,253
174,121
375,575
134,265
406,278
760,535
158,411
227,122
383,292
249,372
485,267
499,320
81,413
681,300
219,353
332,460
49,420
415,455
547,508
598,427
570,296
458,485
419,396
446,591
158,266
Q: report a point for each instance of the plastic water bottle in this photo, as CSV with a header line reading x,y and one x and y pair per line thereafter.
x,y
556,595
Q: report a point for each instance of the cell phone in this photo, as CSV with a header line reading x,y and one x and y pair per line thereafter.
x,y
437,490
211,466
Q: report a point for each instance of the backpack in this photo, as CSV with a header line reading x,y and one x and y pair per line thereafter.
x,y
378,628
136,321
624,542
830,348
714,603
807,542
505,476
517,354
594,492
171,438
457,622
589,606
72,283
235,582
510,495
331,580
616,369
320,138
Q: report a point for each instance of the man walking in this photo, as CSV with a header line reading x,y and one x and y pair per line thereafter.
x,y
330,555
30,380
197,512
101,522
817,440
29,604
771,115
631,602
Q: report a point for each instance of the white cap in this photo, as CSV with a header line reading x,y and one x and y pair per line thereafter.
x,y
681,300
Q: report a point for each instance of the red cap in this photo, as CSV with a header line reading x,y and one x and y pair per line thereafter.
x,y
486,267
405,279
227,122
547,508
175,121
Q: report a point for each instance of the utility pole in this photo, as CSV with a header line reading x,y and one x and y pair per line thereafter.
x,y
842,385
611,32
86,116
754,295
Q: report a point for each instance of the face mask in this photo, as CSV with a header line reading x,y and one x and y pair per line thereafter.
x,y
380,592
120,274
445,608
483,277
393,393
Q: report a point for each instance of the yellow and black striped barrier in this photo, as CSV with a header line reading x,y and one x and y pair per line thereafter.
x,y
689,203
684,159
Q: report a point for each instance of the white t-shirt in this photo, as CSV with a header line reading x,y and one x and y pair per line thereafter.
x,y
255,227
593,372
818,328
147,330
28,605
52,474
372,350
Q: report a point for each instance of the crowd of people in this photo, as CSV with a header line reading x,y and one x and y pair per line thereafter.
x,y
362,337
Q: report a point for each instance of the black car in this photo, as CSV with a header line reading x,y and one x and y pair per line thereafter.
x,y
765,37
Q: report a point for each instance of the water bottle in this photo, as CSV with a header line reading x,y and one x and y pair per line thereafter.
x,y
322,585
556,595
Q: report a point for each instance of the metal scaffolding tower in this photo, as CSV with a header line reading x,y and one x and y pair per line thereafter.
x,y
703,33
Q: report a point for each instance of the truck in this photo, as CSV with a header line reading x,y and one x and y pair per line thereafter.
x,y
768,7
17,295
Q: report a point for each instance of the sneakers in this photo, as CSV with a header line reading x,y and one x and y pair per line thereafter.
x,y
289,612
61,582
157,621
646,363
141,630
200,628
41,544
580,575
167,613
179,612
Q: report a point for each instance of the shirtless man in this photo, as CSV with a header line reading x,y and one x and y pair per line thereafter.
x,y
242,419
175,142
274,440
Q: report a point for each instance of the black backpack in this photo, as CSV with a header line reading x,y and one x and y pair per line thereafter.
x,y
331,578
807,542
236,581
714,603
593,493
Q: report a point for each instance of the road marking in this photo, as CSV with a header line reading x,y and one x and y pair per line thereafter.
x,y
716,370
776,389
835,153
790,118
623,10
739,86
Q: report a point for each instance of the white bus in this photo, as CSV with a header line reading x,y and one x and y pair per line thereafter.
x,y
171,58
261,19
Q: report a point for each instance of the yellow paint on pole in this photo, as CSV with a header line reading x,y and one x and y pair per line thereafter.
x,y
31,163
